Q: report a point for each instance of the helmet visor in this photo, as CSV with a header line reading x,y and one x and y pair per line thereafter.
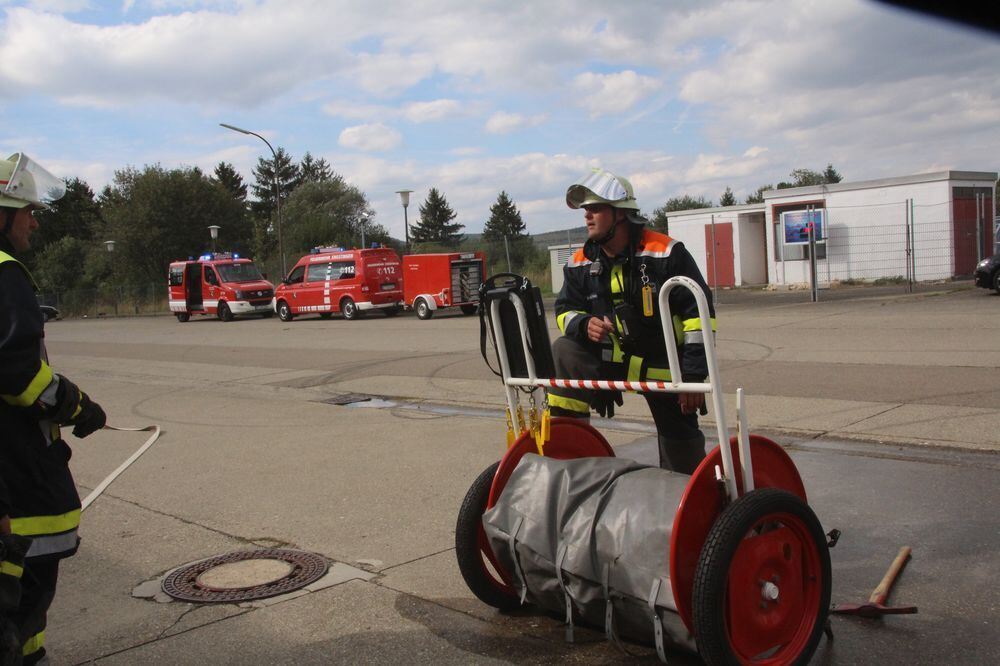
x,y
32,183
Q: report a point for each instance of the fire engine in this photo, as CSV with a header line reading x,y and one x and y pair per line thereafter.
x,y
435,281
333,279
219,283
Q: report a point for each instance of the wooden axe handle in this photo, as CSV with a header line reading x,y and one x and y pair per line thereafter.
x,y
882,591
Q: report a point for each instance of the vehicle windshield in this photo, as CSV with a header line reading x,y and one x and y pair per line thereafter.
x,y
247,272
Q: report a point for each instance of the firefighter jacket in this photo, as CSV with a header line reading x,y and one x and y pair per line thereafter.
x,y
36,488
595,285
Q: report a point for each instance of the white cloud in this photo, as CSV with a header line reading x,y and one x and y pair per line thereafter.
x,y
502,122
604,94
370,138
439,109
356,111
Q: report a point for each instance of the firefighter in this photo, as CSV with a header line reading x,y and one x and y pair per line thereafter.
x,y
38,498
609,315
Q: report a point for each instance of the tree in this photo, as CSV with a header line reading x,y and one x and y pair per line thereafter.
x,y
806,177
62,265
758,196
727,198
232,181
506,235
263,208
314,171
158,216
435,225
76,215
328,213
686,202
505,220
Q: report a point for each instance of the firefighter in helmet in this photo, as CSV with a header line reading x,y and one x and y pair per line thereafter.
x,y
609,315
39,504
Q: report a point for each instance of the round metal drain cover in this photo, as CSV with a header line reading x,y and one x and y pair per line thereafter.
x,y
245,576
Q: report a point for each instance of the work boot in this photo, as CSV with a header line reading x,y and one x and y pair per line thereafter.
x,y
681,455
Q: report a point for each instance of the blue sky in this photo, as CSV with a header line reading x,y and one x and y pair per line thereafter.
x,y
683,97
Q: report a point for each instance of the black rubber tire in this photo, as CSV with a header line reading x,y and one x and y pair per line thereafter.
x,y
224,313
709,605
470,558
996,282
469,309
284,312
423,310
349,309
391,312
183,317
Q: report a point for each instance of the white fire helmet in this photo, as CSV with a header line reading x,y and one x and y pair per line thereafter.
x,y
24,183
601,187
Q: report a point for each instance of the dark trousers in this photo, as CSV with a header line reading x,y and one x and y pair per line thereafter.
x,y
38,589
680,441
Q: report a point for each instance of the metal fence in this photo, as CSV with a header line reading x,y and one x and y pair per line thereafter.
x,y
109,301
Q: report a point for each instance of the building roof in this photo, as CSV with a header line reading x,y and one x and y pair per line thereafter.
x,y
987,176
741,208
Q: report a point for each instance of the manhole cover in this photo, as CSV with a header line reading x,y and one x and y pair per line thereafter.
x,y
245,576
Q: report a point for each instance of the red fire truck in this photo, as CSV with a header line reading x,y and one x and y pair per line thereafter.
x,y
332,279
435,281
220,283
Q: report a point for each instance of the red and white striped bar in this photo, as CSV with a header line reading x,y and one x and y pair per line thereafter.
x,y
613,385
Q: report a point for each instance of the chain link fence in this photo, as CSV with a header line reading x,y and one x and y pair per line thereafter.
x,y
124,300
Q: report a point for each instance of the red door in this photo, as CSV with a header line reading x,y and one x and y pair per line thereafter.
x,y
966,228
719,259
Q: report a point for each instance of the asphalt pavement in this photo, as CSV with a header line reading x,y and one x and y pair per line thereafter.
x,y
888,402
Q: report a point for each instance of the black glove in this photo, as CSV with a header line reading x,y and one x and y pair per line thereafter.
x,y
90,419
604,402
67,401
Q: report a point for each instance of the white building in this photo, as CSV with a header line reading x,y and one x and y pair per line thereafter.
x,y
929,226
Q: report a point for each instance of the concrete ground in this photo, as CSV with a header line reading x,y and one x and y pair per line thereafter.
x,y
888,402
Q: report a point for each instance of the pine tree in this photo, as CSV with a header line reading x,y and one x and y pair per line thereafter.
x,y
435,225
758,196
505,220
727,198
263,189
831,175
313,170
227,176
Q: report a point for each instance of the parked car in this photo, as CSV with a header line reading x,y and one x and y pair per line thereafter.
x,y
987,273
48,312
351,282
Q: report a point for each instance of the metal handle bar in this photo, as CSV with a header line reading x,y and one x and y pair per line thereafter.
x,y
712,386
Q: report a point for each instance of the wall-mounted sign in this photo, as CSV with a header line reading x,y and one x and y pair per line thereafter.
x,y
796,225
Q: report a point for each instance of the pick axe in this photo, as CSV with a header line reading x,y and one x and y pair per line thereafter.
x,y
876,602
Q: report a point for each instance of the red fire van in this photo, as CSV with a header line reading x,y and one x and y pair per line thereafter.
x,y
218,283
329,280
435,281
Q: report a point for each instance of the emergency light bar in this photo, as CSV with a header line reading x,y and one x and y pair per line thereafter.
x,y
321,250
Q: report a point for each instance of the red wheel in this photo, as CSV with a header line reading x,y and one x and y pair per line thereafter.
x,y
702,503
570,438
762,591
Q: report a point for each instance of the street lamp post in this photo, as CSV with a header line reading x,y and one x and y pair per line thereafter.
x,y
214,231
404,196
109,245
277,193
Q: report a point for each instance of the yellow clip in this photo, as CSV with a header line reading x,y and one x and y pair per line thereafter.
x,y
546,425
520,418
510,431
647,300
